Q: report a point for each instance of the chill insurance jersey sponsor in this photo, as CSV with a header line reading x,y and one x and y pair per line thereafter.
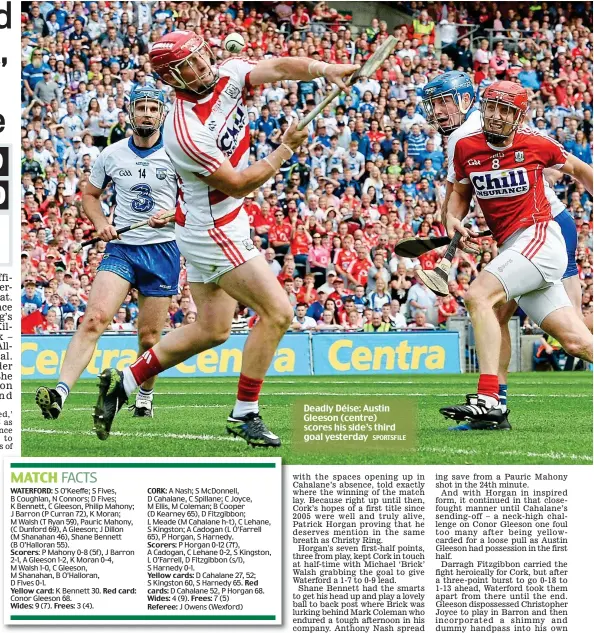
x,y
144,182
472,125
200,133
509,182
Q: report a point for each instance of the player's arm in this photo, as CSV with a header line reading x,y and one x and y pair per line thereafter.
x,y
457,209
441,215
92,208
238,184
300,69
552,175
578,170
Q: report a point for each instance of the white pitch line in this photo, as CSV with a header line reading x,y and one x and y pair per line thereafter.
x,y
466,451
455,394
156,407
172,436
187,436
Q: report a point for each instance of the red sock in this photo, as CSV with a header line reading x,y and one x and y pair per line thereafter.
x,y
488,385
145,367
248,389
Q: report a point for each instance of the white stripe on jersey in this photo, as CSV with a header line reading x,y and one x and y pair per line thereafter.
x,y
145,183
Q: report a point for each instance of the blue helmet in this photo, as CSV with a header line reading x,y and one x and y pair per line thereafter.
x,y
150,121
455,84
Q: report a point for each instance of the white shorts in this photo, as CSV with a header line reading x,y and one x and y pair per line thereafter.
x,y
210,253
530,266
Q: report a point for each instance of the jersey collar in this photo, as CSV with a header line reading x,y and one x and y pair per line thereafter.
x,y
143,152
471,111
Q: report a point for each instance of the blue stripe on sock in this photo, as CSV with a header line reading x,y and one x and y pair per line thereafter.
x,y
64,386
503,394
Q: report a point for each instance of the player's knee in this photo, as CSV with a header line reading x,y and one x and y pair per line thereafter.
x,y
578,346
218,332
95,321
220,335
148,338
279,319
477,300
473,299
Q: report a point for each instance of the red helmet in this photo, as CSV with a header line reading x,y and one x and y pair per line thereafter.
x,y
507,92
169,55
497,123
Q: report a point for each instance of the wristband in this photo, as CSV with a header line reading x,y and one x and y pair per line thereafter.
x,y
265,159
292,152
323,71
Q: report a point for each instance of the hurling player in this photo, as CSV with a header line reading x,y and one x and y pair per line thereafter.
x,y
448,101
502,165
147,258
208,139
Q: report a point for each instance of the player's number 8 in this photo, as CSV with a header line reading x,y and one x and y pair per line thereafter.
x,y
495,163
143,203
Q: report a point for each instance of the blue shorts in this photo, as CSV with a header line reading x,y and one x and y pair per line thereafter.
x,y
569,231
152,268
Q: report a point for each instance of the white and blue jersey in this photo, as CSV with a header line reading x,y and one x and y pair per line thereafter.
x,y
145,183
568,229
471,125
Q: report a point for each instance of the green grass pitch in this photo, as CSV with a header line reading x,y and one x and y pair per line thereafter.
x,y
551,415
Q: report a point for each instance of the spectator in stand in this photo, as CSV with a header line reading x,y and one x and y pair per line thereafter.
x,y
376,324
328,322
184,308
301,321
420,322
397,320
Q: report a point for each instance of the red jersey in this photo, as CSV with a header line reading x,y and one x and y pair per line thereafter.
x,y
429,260
300,243
280,233
261,220
337,298
359,269
344,257
301,295
252,209
509,182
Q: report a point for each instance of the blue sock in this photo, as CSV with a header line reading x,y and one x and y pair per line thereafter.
x,y
503,396
64,390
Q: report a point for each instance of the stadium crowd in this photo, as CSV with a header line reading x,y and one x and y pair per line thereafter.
x,y
372,173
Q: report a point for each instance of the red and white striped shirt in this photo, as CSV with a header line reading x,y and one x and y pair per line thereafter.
x,y
199,134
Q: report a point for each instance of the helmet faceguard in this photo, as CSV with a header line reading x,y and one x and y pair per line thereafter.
x,y
502,111
444,101
185,61
444,120
144,119
199,84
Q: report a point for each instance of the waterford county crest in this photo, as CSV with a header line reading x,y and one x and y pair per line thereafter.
x,y
161,173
